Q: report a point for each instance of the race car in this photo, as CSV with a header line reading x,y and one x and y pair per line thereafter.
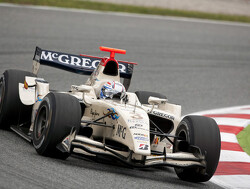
x,y
102,119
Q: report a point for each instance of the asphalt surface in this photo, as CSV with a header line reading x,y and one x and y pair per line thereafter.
x,y
198,65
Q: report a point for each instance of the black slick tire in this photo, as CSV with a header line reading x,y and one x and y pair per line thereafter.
x,y
57,114
204,133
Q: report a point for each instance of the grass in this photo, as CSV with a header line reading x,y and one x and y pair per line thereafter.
x,y
81,4
244,139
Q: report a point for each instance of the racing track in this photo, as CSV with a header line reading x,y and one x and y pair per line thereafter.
x,y
198,65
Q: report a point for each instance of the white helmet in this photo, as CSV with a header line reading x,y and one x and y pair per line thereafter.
x,y
112,89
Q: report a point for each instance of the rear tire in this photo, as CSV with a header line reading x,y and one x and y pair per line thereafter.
x,y
12,110
144,95
57,114
204,133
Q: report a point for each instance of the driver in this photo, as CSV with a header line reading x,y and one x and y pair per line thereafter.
x,y
112,89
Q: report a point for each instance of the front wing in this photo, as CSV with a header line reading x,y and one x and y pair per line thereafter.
x,y
82,145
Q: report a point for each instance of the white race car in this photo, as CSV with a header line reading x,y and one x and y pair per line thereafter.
x,y
100,118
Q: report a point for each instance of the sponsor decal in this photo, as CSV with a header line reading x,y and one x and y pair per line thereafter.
x,y
137,121
138,125
26,86
143,147
38,98
69,59
156,140
79,61
160,114
94,113
141,138
140,134
121,131
127,108
133,127
114,116
136,116
75,87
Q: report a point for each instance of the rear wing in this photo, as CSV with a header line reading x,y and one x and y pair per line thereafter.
x,y
80,64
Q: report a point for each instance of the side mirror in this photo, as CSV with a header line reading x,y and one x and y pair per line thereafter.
x,y
161,102
156,101
81,88
84,89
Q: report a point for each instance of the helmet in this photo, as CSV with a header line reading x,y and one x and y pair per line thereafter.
x,y
112,89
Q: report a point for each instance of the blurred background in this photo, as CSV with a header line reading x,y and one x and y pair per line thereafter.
x,y
236,7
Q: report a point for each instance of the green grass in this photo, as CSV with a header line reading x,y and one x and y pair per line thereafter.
x,y
244,139
79,4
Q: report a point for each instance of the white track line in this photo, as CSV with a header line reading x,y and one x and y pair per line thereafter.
x,y
232,181
232,121
228,137
133,15
234,156
223,110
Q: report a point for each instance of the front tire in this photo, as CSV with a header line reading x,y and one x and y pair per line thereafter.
x,y
57,114
204,133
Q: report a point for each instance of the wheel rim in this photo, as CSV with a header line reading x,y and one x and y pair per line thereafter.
x,y
183,135
41,123
2,89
